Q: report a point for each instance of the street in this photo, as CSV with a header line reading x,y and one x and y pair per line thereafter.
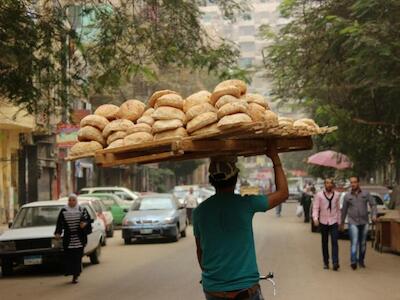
x,y
163,270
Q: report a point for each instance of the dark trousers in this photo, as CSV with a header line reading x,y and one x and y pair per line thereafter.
x,y
73,261
189,214
331,230
306,208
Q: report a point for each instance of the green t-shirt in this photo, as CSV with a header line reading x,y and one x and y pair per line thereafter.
x,y
223,224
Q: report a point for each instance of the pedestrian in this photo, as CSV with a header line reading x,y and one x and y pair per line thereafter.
x,y
223,230
190,203
306,200
355,206
326,216
75,224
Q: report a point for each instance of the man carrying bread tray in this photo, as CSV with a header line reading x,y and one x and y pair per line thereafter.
x,y
222,226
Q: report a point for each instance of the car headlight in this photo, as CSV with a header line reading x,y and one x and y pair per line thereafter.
x,y
127,222
169,220
56,243
7,246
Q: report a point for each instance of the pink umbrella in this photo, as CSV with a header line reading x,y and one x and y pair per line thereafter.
x,y
330,159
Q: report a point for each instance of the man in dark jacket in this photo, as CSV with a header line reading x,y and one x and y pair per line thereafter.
x,y
355,206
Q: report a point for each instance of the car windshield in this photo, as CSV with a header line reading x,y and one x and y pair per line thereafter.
x,y
37,216
153,204
182,193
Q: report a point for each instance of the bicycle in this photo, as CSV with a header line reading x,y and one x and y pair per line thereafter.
x,y
270,278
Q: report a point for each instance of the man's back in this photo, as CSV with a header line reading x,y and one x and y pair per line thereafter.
x,y
223,224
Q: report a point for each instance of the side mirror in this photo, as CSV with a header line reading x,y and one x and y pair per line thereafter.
x,y
10,224
125,210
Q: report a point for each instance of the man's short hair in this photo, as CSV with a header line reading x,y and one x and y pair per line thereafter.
x,y
220,184
355,176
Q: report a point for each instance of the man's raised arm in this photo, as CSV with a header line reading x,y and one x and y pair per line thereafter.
x,y
282,192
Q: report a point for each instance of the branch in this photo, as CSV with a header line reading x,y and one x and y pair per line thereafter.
x,y
373,123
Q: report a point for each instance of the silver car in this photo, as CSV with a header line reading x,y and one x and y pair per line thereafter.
x,y
155,216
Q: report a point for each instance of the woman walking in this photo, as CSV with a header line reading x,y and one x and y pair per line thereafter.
x,y
75,222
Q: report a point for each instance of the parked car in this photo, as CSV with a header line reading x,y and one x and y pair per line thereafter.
x,y
381,207
101,213
122,192
158,215
30,239
113,204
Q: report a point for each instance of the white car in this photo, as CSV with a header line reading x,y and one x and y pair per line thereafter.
x,y
122,192
30,239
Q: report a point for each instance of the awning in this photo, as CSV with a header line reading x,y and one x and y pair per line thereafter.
x,y
13,118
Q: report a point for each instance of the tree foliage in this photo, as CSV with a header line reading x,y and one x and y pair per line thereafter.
x,y
54,51
342,60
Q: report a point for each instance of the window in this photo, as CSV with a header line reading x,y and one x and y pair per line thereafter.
x,y
246,17
247,30
247,46
246,62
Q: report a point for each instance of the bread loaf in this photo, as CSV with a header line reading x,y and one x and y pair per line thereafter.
x,y
232,108
168,113
139,128
199,109
225,100
271,118
131,110
218,93
85,148
146,120
117,125
256,112
308,122
116,144
196,99
109,111
169,134
201,121
164,125
212,128
148,112
283,121
137,138
153,98
115,136
89,133
234,120
94,120
173,100
256,98
240,84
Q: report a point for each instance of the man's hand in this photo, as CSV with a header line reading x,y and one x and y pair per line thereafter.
x,y
341,227
57,236
374,219
316,223
82,225
272,151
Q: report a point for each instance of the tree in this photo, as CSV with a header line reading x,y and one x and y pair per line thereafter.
x,y
52,52
341,60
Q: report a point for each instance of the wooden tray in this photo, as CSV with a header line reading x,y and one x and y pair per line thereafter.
x,y
246,140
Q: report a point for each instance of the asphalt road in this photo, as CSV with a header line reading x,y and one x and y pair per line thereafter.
x,y
163,270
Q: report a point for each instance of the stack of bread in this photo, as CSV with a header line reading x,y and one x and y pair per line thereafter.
x,y
306,126
169,118
232,110
201,115
260,111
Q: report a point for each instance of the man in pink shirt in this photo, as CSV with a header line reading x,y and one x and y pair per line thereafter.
x,y
326,215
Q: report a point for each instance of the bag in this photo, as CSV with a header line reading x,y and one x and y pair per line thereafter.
x,y
299,211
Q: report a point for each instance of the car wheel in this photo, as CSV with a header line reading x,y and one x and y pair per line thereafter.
x,y
127,241
183,232
177,235
7,267
110,233
104,241
95,256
